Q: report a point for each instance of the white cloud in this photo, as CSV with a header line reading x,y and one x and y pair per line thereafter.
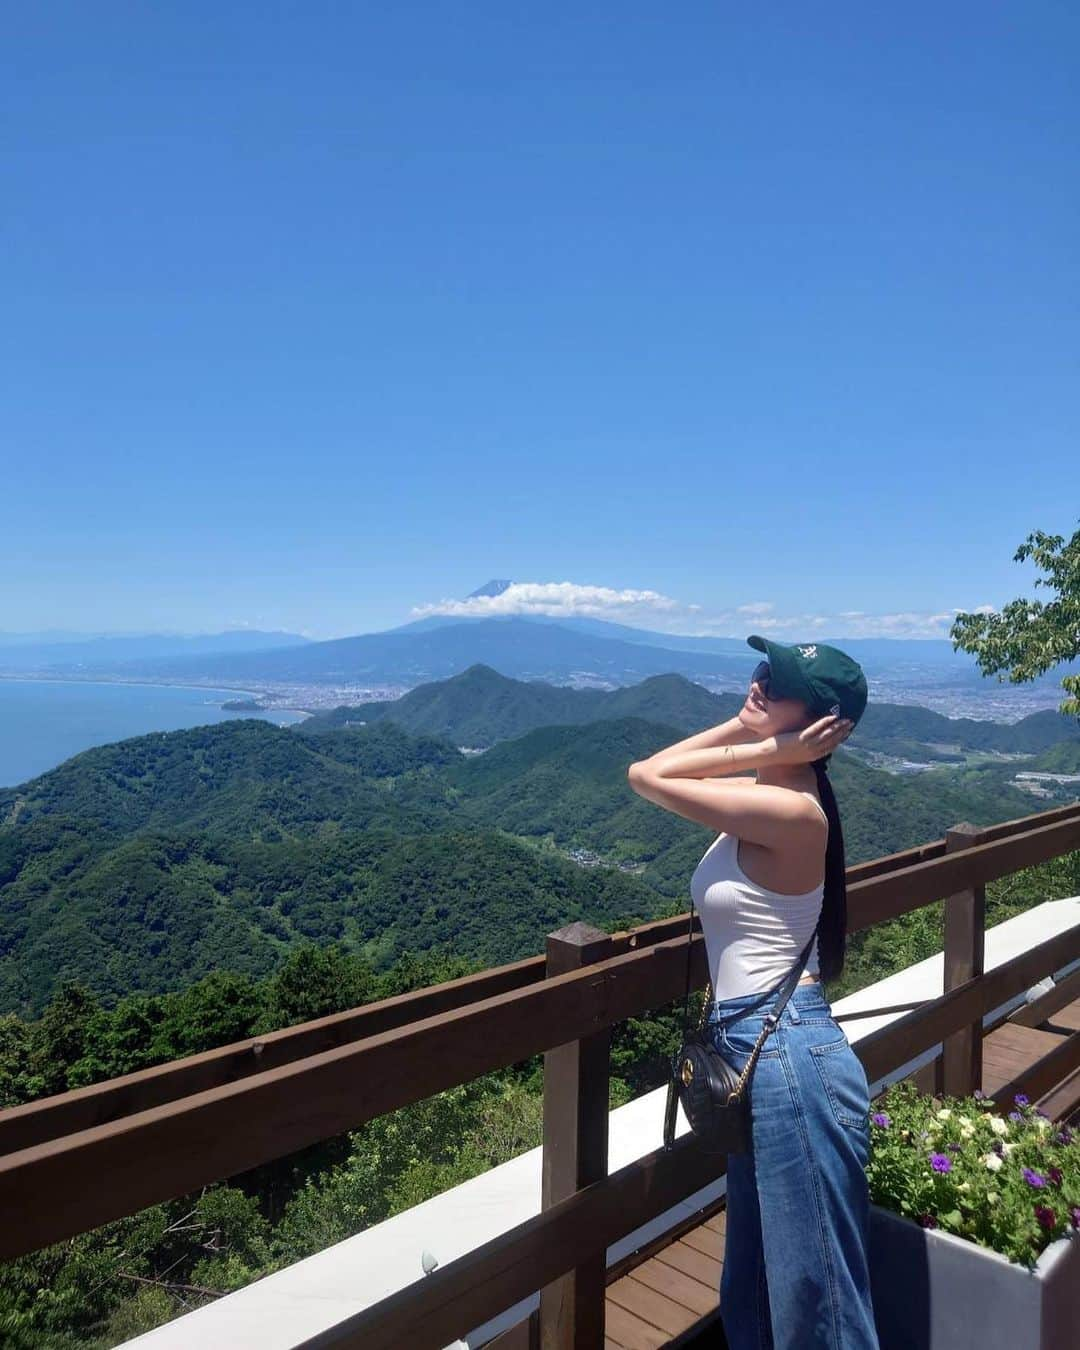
x,y
565,598
652,609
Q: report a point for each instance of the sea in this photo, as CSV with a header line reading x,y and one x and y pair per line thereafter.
x,y
44,722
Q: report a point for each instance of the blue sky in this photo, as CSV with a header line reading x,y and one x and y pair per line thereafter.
x,y
713,318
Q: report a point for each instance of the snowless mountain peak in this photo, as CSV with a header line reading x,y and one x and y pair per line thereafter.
x,y
490,588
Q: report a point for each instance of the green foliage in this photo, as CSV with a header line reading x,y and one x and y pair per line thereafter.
x,y
77,1041
85,1291
315,982
1027,635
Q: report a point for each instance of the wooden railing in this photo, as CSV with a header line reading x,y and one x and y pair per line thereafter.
x,y
74,1161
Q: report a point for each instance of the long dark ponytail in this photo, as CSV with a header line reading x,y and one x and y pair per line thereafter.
x,y
832,933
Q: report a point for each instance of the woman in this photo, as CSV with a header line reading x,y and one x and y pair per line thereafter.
x,y
795,1271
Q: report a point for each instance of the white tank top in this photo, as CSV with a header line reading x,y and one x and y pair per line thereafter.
x,y
753,936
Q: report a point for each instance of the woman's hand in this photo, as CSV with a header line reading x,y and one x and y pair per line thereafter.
x,y
818,739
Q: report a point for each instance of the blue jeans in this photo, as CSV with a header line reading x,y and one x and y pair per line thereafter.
x,y
795,1272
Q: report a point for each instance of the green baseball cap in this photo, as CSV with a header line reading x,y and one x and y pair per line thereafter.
x,y
825,678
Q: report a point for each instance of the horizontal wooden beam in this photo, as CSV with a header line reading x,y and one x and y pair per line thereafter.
x,y
463,1294
170,1150
1063,1099
882,1050
880,898
1037,1079
1066,991
100,1103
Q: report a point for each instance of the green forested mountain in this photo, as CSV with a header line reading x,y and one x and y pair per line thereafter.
x,y
253,775
480,707
153,912
147,864
1063,758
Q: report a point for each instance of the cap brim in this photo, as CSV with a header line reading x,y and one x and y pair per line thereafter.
x,y
787,679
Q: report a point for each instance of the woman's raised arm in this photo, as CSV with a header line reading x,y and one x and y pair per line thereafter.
x,y
731,732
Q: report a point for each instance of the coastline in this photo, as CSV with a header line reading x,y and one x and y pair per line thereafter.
x,y
46,721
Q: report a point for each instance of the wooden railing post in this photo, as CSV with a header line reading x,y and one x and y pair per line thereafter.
x,y
960,1063
575,1148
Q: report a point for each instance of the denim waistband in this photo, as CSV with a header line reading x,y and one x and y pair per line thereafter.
x,y
803,998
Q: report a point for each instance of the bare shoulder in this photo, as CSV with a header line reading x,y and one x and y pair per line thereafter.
x,y
812,803
764,813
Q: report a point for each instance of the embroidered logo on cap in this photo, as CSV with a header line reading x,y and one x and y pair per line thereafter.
x,y
808,652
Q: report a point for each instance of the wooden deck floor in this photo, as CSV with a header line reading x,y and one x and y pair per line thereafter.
x,y
669,1293
671,1298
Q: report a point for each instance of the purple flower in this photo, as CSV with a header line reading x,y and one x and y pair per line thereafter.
x,y
1054,1173
881,1118
1021,1099
1064,1135
940,1162
1045,1216
928,1220
1074,1216
979,1093
1032,1178
1015,1115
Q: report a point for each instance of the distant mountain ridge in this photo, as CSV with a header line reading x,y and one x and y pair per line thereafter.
x,y
571,651
578,651
480,707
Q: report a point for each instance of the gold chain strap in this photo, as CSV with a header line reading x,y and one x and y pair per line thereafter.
x,y
736,1094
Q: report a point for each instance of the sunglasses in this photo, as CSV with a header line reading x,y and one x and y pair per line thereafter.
x,y
761,677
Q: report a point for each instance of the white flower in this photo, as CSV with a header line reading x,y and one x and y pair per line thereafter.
x,y
1007,1148
964,1186
998,1125
992,1196
944,1113
992,1161
1041,1123
966,1129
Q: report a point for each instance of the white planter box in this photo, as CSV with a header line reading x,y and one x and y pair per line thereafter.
x,y
933,1290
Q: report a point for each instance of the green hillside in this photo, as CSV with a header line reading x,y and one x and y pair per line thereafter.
x,y
1058,759
157,911
480,708
147,864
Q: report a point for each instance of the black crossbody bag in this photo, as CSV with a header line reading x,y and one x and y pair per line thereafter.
x,y
715,1096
